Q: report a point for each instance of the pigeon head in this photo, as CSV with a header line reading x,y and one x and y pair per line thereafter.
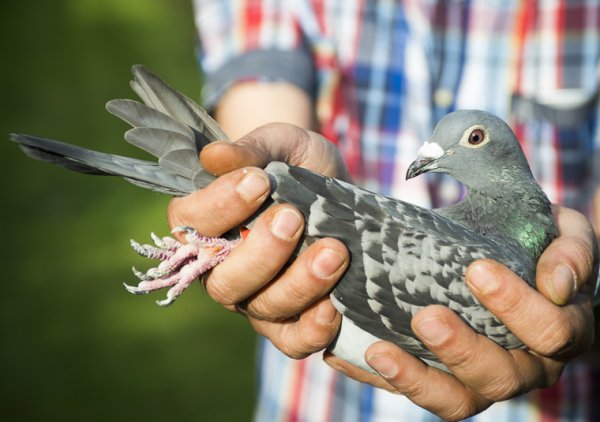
x,y
474,147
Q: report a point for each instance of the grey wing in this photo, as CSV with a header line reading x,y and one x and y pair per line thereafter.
x,y
403,257
168,125
423,258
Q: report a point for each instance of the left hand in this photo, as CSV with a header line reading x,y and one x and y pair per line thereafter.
x,y
286,302
556,323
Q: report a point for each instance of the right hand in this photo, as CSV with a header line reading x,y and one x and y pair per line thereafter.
x,y
286,302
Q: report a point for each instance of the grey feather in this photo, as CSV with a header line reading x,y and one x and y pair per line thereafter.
x,y
181,161
403,257
141,115
156,93
158,142
139,172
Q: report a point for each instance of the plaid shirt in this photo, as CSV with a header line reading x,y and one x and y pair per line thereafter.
x,y
381,74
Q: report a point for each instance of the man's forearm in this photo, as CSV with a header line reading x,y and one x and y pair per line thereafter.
x,y
248,105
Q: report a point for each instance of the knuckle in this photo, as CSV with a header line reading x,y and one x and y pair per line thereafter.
x,y
263,307
580,259
220,291
508,301
300,339
286,298
414,390
552,375
556,338
300,293
306,340
218,211
503,388
462,357
173,210
292,350
459,411
319,337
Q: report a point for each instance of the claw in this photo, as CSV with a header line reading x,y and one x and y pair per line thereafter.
x,y
151,274
152,252
187,229
163,242
137,247
181,263
154,273
135,290
140,275
165,302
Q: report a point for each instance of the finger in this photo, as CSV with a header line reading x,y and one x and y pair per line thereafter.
x,y
275,142
314,330
222,157
595,212
357,373
225,203
428,387
475,360
569,260
310,277
257,260
542,326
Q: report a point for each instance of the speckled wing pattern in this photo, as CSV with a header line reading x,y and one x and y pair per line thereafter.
x,y
396,247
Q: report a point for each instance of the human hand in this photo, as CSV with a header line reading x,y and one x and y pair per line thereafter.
x,y
556,323
288,304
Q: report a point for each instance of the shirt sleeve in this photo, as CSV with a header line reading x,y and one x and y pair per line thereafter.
x,y
245,40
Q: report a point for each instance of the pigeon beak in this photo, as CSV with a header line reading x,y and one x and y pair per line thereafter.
x,y
419,166
426,160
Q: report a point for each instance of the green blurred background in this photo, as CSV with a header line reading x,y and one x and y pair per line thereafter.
x,y
75,345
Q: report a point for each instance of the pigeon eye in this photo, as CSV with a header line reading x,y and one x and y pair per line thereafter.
x,y
476,137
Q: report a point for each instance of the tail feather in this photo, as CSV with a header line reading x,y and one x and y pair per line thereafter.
x,y
65,155
52,158
169,126
140,172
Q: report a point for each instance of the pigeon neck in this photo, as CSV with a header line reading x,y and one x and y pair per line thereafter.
x,y
522,216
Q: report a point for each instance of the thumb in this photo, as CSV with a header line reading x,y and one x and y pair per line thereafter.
x,y
570,261
274,142
223,157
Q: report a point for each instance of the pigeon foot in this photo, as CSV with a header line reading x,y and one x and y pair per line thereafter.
x,y
181,263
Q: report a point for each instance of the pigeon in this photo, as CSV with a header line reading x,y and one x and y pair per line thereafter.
x,y
403,257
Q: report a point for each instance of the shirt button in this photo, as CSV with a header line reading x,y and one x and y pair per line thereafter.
x,y
443,97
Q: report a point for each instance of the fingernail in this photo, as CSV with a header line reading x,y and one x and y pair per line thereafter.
x,y
383,364
252,186
562,284
285,224
326,263
325,314
434,331
482,279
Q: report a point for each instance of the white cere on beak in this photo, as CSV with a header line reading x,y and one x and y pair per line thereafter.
x,y
431,150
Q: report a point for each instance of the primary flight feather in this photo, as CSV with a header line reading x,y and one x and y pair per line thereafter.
x,y
403,257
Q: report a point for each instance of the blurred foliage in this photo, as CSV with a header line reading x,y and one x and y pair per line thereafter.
x,y
75,345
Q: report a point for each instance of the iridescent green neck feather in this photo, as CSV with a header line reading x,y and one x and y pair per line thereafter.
x,y
521,215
